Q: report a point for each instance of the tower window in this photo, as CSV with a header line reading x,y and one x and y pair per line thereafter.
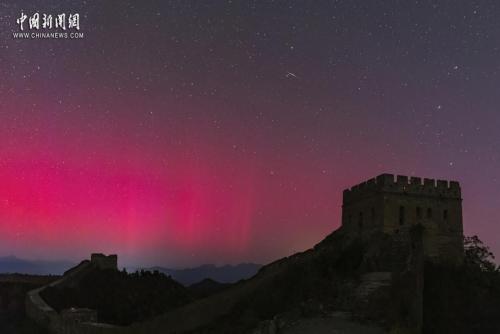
x,y
373,215
360,221
429,213
419,212
401,215
445,214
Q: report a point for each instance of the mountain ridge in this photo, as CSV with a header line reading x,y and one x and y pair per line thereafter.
x,y
221,274
12,264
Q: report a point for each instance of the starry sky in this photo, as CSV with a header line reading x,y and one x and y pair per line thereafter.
x,y
185,132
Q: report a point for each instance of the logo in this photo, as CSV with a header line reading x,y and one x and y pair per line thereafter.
x,y
48,26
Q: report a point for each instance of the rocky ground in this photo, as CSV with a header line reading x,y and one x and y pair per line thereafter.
x,y
336,323
331,326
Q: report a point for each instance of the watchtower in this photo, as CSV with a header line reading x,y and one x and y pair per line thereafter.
x,y
102,261
393,205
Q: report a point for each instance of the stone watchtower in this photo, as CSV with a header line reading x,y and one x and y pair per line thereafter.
x,y
383,204
103,262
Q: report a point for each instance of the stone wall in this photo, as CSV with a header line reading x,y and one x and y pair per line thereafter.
x,y
66,322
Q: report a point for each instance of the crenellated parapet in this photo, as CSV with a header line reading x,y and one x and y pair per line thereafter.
x,y
403,185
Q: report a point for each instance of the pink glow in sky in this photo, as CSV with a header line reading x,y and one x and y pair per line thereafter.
x,y
173,134
195,197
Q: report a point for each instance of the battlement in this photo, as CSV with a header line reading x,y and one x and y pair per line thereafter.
x,y
102,261
404,185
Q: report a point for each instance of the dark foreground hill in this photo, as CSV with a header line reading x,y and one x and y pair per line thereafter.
x,y
317,282
120,298
376,285
207,287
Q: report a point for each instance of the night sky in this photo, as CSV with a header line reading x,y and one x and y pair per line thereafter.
x,y
185,132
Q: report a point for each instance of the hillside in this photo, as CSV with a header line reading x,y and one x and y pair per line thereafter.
x,y
313,283
207,287
350,285
120,298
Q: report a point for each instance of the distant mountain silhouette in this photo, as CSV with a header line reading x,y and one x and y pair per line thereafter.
x,y
223,274
12,264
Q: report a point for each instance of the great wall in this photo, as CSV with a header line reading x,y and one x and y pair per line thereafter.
x,y
416,220
74,320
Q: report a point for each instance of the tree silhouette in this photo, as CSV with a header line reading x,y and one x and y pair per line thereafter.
x,y
478,254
